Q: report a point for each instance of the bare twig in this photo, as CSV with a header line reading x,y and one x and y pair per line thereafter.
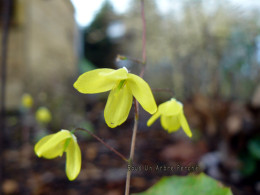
x,y
132,150
104,143
121,57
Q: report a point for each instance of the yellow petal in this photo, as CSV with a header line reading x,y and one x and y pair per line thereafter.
x,y
174,123
185,125
40,143
118,106
142,93
170,108
43,115
153,118
52,145
164,122
170,123
27,100
73,160
99,80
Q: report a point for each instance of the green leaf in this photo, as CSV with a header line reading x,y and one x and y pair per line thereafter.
x,y
248,165
193,185
254,147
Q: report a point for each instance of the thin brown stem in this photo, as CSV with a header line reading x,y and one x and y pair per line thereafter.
x,y
104,143
121,57
132,150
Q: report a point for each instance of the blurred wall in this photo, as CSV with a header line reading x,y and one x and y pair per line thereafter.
x,y
41,50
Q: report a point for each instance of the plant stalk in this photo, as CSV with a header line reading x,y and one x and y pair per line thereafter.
x,y
132,150
104,143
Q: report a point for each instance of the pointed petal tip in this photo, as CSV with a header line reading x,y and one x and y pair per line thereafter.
x,y
189,134
78,88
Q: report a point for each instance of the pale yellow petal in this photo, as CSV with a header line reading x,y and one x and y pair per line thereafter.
x,y
40,143
174,123
153,118
52,146
185,125
170,108
142,92
99,80
73,160
118,106
164,122
170,123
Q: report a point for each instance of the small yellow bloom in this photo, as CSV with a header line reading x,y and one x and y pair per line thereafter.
x,y
123,86
52,146
27,100
43,115
172,117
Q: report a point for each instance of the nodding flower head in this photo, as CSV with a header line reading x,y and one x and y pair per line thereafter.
x,y
124,86
172,117
54,145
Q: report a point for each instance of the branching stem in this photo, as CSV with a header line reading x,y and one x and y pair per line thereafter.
x,y
104,143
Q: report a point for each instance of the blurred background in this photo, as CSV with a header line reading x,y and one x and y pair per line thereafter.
x,y
206,51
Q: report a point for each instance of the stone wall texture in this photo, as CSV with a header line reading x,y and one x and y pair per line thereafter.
x,y
41,49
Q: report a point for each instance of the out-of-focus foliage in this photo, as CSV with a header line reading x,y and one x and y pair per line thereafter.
x,y
178,185
254,147
210,48
99,48
250,157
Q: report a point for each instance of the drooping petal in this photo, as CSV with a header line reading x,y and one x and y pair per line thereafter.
x,y
170,108
142,93
99,80
40,143
184,124
164,122
118,106
52,145
153,118
174,123
170,123
73,160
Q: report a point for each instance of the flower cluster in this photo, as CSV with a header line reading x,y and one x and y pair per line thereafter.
x,y
123,86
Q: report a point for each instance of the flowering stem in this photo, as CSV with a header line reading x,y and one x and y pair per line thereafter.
x,y
104,143
132,150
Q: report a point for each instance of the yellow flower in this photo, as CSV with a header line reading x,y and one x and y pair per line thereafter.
x,y
123,86
27,100
43,115
54,145
172,117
